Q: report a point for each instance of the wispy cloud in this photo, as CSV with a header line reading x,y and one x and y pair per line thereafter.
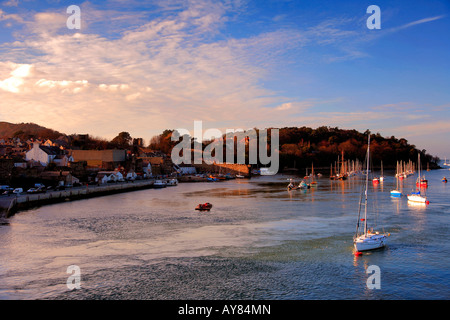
x,y
167,64
163,73
11,3
417,22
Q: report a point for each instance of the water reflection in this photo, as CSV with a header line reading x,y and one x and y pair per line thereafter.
x,y
258,233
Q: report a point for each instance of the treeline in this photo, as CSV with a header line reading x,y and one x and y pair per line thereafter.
x,y
301,146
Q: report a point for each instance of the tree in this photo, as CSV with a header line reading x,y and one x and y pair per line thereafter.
x,y
123,140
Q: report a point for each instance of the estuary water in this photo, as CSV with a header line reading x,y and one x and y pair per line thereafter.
x,y
258,242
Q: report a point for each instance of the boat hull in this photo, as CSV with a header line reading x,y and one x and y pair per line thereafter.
x,y
417,198
396,194
370,242
159,184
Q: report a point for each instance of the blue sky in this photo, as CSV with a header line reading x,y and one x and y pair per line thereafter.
x,y
144,66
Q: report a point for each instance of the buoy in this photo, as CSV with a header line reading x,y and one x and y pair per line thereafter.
x,y
358,253
428,202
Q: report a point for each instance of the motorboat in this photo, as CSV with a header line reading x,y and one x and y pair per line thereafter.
x,y
160,184
204,206
172,182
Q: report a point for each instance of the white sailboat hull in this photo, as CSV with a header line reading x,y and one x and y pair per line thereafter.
x,y
416,198
370,242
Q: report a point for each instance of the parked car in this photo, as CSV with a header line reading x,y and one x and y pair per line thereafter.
x,y
18,190
41,190
32,190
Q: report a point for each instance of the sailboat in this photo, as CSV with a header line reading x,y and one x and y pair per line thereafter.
x,y
313,182
445,162
396,193
291,185
382,176
332,177
366,239
417,196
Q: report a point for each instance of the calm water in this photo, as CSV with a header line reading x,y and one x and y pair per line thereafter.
x,y
259,241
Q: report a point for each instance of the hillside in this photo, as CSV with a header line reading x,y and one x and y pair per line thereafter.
x,y
299,146
25,131
302,146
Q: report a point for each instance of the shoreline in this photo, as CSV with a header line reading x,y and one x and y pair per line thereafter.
x,y
10,205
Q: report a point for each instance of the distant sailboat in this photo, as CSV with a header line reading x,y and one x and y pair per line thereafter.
x,y
417,196
313,182
381,176
396,193
291,185
366,239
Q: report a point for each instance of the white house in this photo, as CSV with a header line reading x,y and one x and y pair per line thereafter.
x,y
45,154
106,176
131,175
42,154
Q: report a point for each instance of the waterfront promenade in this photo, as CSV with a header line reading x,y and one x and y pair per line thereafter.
x,y
13,203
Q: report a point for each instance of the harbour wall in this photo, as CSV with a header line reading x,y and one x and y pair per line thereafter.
x,y
12,204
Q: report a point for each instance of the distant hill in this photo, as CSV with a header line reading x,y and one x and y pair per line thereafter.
x,y
25,131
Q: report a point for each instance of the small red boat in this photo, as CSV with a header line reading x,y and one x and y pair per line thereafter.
x,y
204,206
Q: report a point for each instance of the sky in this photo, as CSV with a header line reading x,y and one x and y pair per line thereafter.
x,y
147,66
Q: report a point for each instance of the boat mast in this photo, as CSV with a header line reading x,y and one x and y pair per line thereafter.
x,y
367,186
396,176
365,196
418,169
